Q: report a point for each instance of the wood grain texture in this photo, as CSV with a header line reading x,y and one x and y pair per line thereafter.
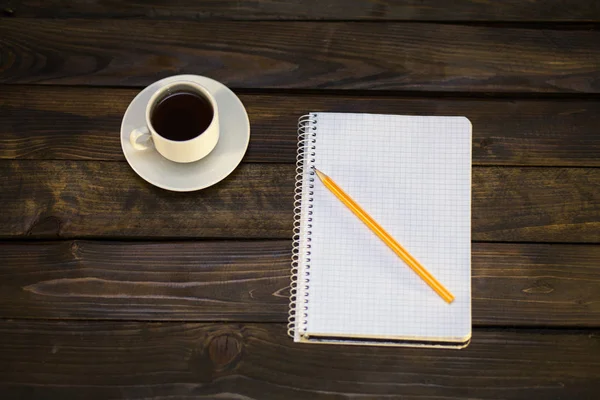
x,y
71,199
527,285
83,123
108,199
99,360
406,10
195,281
309,55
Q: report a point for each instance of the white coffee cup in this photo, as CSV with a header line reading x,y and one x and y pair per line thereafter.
x,y
146,138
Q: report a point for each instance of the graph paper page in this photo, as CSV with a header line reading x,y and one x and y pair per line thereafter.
x,y
413,175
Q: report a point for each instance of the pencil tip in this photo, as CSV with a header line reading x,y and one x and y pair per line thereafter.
x,y
319,174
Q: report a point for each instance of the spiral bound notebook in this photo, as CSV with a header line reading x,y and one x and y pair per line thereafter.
x,y
412,174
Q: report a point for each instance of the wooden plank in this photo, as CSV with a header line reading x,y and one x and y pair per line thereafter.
x,y
533,285
194,281
406,10
99,360
71,199
42,122
107,199
309,55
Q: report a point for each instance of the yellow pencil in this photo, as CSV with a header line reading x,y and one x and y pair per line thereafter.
x,y
386,237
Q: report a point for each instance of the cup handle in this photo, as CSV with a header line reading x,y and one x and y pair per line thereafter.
x,y
138,133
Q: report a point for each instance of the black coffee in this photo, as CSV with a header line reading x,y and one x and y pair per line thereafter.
x,y
182,116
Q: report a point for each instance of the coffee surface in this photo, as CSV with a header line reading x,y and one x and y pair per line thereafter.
x,y
182,116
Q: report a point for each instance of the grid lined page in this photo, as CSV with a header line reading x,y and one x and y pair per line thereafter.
x,y
413,175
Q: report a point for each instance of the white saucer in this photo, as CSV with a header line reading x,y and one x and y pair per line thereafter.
x,y
157,170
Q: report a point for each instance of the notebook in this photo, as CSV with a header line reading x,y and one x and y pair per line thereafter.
x,y
412,174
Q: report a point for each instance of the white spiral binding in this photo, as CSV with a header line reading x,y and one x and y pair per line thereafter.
x,y
304,159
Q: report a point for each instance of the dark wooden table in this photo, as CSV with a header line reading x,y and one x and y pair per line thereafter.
x,y
112,288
